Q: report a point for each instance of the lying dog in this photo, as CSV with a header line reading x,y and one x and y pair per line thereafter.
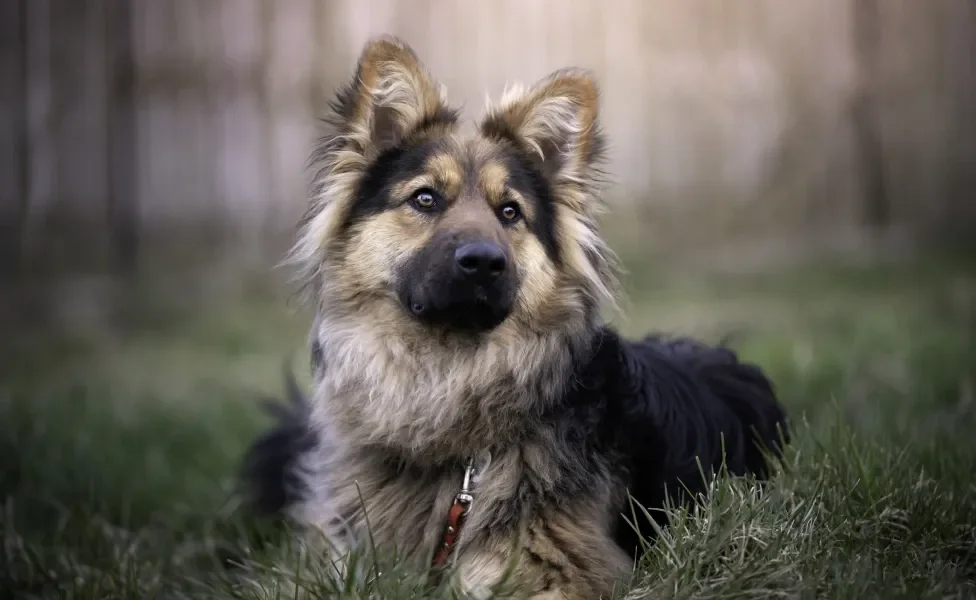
x,y
470,403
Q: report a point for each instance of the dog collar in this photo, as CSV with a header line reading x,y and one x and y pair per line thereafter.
x,y
456,516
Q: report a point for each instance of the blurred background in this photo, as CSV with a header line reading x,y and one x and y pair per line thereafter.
x,y
138,133
798,174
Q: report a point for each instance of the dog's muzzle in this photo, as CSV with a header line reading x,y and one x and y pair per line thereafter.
x,y
467,285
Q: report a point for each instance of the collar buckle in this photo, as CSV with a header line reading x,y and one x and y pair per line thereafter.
x,y
455,517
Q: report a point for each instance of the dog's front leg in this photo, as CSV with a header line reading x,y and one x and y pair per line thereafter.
x,y
557,556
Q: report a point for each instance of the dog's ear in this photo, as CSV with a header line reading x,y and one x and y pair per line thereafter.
x,y
556,121
391,96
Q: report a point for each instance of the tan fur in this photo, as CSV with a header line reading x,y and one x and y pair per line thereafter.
x,y
558,119
392,89
389,387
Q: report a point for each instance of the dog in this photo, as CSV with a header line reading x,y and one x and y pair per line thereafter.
x,y
471,407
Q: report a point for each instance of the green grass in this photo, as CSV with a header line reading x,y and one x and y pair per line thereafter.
x,y
118,450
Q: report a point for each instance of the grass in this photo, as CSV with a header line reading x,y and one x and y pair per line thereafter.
x,y
118,448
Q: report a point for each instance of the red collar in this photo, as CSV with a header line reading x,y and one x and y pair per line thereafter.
x,y
455,517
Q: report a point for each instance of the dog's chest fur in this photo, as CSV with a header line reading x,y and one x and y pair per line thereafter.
x,y
547,495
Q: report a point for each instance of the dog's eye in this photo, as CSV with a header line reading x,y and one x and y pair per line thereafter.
x,y
424,200
510,212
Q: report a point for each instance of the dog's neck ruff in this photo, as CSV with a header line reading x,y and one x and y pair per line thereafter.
x,y
432,399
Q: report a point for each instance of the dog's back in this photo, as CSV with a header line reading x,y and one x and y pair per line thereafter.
x,y
697,408
729,392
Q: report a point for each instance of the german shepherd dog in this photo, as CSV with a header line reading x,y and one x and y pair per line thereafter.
x,y
471,407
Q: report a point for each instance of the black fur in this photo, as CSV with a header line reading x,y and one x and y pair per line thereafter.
x,y
683,408
648,411
531,183
271,473
399,163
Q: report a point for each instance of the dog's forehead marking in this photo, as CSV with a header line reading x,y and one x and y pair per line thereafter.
x,y
447,171
493,179
470,163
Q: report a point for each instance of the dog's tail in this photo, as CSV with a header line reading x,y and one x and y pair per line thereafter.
x,y
271,472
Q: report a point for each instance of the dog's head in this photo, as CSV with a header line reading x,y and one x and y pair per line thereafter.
x,y
416,224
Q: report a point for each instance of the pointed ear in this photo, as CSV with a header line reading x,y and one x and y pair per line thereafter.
x,y
556,121
391,96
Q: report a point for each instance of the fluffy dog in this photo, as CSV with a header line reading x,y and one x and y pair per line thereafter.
x,y
470,404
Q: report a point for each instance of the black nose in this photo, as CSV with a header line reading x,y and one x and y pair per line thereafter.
x,y
481,260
